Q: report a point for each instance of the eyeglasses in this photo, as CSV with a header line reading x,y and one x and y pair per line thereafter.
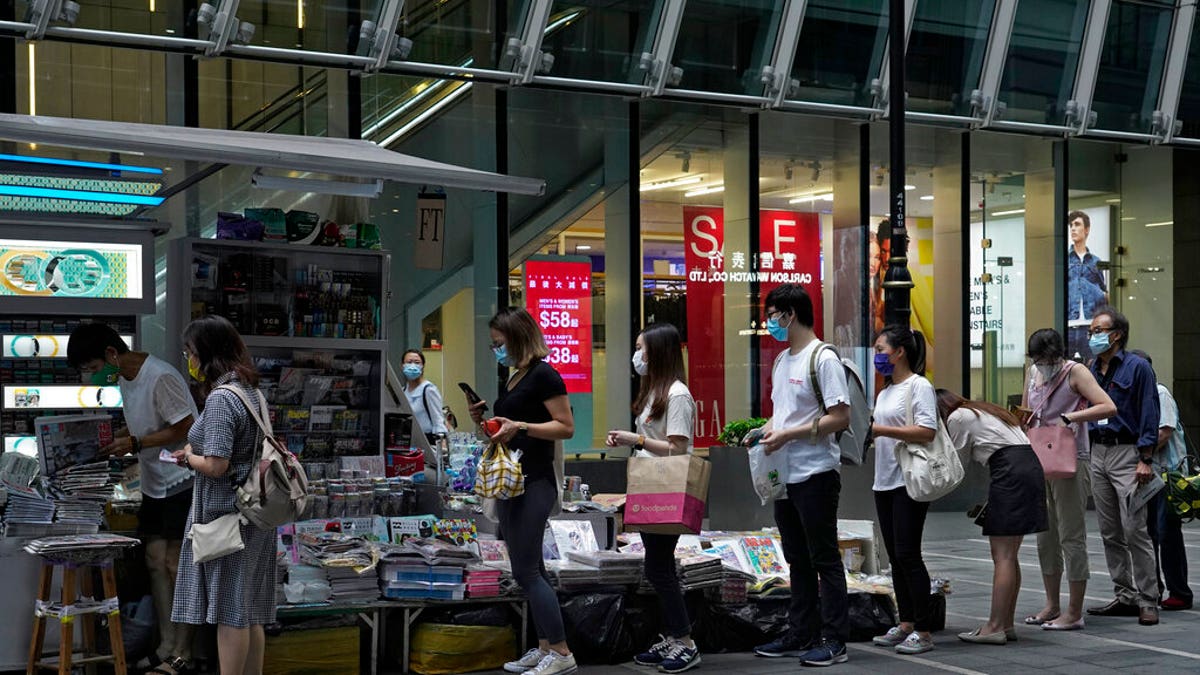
x,y
496,345
775,314
1099,330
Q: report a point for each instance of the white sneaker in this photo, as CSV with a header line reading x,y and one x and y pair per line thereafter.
x,y
555,664
915,644
528,662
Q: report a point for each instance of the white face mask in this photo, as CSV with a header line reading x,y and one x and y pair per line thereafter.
x,y
639,362
1047,372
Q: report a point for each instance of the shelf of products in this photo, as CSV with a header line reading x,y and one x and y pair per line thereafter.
x,y
312,319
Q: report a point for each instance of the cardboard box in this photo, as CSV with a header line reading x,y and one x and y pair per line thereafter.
x,y
866,536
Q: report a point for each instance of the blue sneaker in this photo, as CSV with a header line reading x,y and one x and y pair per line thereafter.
x,y
827,653
787,645
680,658
656,653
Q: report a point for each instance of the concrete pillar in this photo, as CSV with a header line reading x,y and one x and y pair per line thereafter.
x,y
1186,299
948,231
1044,235
618,292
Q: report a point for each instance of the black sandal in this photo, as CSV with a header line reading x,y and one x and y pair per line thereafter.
x,y
176,666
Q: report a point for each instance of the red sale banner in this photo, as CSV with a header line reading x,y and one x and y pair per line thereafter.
x,y
559,296
790,253
703,244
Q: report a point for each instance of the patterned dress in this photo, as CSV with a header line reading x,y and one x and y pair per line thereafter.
x,y
236,590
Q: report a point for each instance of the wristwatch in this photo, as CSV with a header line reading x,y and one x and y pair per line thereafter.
x,y
522,428
1065,420
1148,461
641,442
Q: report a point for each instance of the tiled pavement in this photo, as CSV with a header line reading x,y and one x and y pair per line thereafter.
x,y
955,549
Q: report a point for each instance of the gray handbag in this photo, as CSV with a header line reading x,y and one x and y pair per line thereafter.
x,y
216,539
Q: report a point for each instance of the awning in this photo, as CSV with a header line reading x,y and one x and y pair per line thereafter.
x,y
336,156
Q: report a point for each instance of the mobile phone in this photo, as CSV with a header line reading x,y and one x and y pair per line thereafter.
x,y
472,397
165,456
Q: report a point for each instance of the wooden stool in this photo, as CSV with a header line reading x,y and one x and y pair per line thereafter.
x,y
76,576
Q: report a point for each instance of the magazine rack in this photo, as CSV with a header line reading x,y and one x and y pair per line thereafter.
x,y
78,568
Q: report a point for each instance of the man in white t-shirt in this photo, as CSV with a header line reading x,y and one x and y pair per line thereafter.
x,y
807,519
159,411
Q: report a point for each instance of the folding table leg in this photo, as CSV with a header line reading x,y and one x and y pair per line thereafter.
x,y
70,594
39,620
114,619
87,622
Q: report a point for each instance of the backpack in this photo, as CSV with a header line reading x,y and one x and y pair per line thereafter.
x,y
851,439
276,490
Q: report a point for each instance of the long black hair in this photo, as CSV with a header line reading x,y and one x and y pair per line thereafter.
x,y
219,349
1046,343
664,365
911,341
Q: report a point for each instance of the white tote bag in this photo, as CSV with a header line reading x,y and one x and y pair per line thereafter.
x,y
931,470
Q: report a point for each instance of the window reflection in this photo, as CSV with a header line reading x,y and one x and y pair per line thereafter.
x,y
840,51
945,54
1131,66
723,44
1039,73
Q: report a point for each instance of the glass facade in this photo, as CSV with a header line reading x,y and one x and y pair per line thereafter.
x,y
728,200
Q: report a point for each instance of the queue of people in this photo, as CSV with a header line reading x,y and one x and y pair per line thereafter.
x,y
1120,422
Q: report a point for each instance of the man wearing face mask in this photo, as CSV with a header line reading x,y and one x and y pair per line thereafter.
x,y
1123,450
807,519
159,412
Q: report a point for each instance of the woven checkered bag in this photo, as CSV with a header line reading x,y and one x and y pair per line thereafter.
x,y
499,475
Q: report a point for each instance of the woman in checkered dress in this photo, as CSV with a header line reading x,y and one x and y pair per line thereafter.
x,y
235,592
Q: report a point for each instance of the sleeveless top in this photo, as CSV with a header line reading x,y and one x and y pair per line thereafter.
x,y
1063,400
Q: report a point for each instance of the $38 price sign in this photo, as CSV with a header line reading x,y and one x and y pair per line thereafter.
x,y
559,296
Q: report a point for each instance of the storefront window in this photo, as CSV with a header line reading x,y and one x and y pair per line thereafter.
x,y
1131,65
312,25
166,19
90,82
597,40
1043,54
945,54
840,51
723,44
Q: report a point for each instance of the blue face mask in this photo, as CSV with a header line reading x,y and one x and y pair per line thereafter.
x,y
1099,343
412,370
883,366
501,353
777,331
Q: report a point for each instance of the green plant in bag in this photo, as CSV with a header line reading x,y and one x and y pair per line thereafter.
x,y
736,430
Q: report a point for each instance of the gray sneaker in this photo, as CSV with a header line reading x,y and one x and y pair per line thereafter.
x,y
893,637
528,662
555,664
915,644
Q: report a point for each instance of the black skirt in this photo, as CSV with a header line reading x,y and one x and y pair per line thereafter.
x,y
1017,495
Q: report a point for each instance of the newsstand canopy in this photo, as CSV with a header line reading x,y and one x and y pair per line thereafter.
x,y
336,156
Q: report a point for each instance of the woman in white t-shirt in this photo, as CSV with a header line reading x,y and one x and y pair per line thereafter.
x,y
1016,503
665,423
423,396
900,358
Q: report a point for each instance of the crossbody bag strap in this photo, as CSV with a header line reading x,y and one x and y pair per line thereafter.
x,y
1062,377
814,379
264,427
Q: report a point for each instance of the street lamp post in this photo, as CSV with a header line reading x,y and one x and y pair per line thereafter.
x,y
897,281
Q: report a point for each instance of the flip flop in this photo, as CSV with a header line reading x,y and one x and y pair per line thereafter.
x,y
1035,620
1077,625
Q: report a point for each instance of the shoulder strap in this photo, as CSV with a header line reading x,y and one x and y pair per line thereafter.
x,y
263,420
908,403
425,398
1062,377
812,374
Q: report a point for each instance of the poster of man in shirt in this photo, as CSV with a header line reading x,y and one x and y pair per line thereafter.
x,y
1087,275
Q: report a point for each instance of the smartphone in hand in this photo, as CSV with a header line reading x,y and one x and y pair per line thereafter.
x,y
472,397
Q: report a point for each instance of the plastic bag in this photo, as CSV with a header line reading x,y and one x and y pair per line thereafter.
x,y
441,648
137,627
721,628
595,626
871,614
768,473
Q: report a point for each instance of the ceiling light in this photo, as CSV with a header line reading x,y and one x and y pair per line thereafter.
x,y
326,187
1112,201
910,187
583,247
677,182
1162,224
1012,212
926,198
706,190
827,196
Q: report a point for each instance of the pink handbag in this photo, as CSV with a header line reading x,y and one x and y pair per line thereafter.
x,y
1054,445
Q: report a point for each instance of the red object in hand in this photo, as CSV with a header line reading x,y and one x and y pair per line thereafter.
x,y
491,426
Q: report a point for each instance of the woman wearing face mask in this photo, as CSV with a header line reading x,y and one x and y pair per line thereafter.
x,y
666,416
1063,393
534,413
900,359
423,396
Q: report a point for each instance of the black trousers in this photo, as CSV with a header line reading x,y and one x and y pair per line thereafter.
x,y
902,522
660,572
1166,531
807,522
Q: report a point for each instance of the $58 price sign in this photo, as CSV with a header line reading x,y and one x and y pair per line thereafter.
x,y
559,296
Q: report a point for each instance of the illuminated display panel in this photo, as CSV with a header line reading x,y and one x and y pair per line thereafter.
x,y
22,445
40,346
60,397
60,269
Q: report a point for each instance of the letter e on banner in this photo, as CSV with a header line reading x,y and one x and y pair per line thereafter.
x,y
431,231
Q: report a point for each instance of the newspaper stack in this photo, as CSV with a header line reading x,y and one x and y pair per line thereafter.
x,y
80,493
51,546
334,550
349,585
614,567
566,575
28,507
434,552
699,571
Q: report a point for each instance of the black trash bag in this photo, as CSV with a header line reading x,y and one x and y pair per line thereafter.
x,y
495,615
137,628
595,627
871,614
719,628
937,612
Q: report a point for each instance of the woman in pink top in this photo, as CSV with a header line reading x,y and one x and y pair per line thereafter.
x,y
1063,393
